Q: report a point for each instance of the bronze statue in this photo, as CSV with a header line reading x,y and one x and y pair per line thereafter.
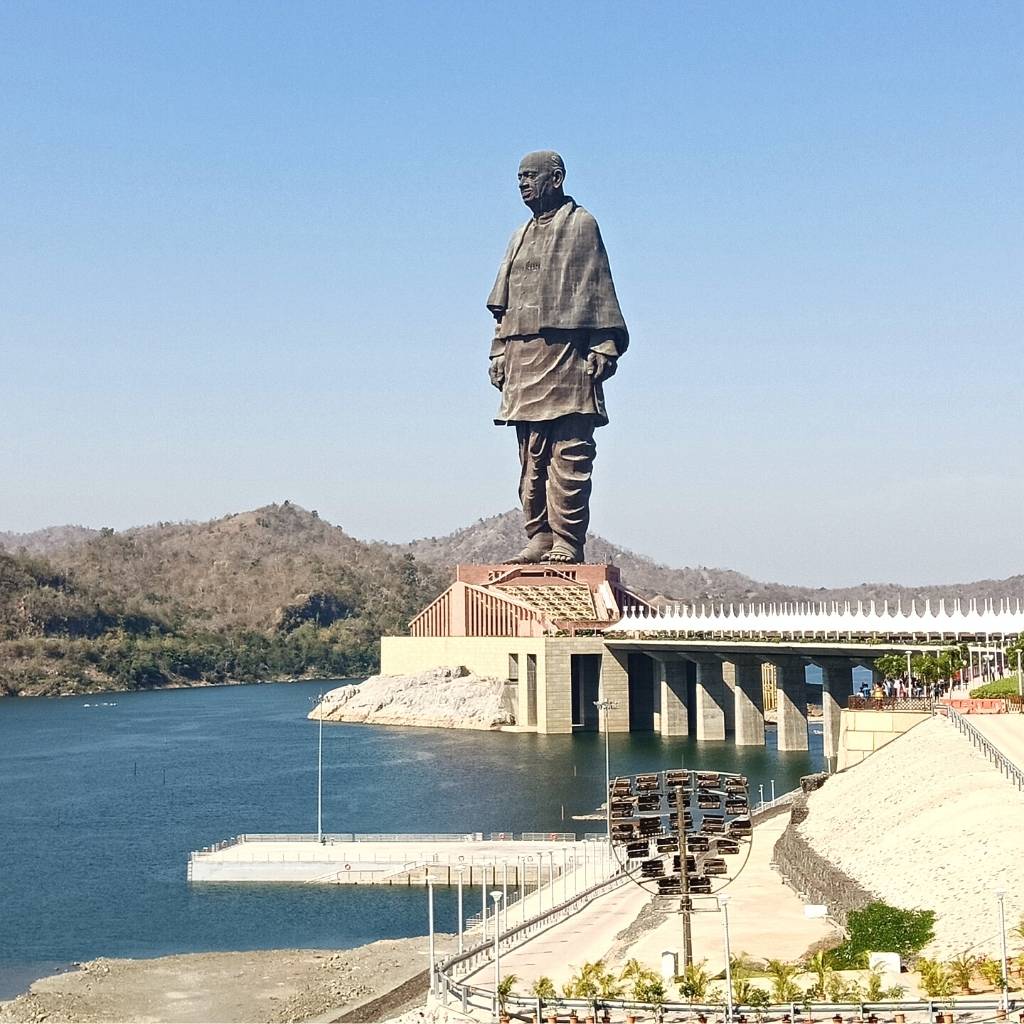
x,y
558,337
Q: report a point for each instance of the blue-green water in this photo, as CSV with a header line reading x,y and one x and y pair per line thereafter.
x,y
102,798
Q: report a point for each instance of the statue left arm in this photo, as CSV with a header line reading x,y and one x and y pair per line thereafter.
x,y
602,360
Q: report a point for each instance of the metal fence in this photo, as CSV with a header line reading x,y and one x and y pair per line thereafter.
x,y
890,703
987,747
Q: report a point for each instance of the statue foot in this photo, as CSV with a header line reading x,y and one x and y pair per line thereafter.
x,y
536,551
564,554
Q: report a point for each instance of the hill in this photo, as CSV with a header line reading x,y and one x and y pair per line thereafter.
x,y
491,540
276,592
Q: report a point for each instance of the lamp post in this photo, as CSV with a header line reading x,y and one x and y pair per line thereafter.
x,y
910,678
606,706
504,888
483,906
723,902
565,874
496,896
551,874
1001,896
460,870
430,926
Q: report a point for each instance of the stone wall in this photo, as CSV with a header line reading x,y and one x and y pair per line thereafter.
x,y
861,733
816,878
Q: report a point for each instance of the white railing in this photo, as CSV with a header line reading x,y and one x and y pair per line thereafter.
x,y
829,619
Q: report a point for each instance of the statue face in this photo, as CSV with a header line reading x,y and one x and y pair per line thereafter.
x,y
538,180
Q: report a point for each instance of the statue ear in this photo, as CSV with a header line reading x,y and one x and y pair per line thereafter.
x,y
557,177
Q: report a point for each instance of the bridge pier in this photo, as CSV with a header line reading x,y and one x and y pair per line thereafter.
x,y
836,686
670,696
791,704
711,693
748,701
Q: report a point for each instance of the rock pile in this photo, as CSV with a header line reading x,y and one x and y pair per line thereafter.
x,y
444,698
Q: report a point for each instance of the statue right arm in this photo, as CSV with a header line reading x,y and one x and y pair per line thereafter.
x,y
496,371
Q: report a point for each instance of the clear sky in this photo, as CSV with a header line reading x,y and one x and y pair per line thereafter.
x,y
245,248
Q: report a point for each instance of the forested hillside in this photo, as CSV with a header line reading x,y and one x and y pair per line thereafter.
x,y
280,593
272,593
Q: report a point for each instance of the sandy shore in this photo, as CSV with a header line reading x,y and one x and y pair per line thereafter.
x,y
928,822
264,985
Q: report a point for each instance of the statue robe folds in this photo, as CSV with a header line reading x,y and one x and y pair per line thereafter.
x,y
555,303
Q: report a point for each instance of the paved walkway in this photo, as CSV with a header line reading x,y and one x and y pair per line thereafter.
x,y
1004,731
766,920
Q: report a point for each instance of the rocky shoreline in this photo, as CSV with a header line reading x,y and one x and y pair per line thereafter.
x,y
450,697
372,982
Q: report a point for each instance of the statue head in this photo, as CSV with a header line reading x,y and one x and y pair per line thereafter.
x,y
541,175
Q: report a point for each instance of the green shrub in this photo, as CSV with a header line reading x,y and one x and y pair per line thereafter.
x,y
881,928
1000,688
935,979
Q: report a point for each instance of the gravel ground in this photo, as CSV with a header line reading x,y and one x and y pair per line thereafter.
x,y
232,988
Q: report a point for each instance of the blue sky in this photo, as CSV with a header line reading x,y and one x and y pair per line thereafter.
x,y
245,248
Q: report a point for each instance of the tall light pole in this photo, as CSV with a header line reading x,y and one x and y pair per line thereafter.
x,y
430,926
606,706
483,905
504,888
910,678
496,896
723,902
551,875
460,870
320,776
1001,896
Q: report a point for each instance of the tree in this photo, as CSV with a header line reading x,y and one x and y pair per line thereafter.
x,y
892,666
693,983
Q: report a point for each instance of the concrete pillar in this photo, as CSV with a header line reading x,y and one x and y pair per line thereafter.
x,y
748,701
792,703
729,705
615,687
836,686
670,698
710,709
554,690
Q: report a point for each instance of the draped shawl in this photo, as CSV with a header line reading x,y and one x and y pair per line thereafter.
x,y
575,290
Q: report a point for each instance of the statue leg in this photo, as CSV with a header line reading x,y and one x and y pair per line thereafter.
x,y
570,466
534,453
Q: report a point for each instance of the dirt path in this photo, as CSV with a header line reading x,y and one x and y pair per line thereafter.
x,y
232,988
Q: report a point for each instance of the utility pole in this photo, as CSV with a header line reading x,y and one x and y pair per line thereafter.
x,y
684,879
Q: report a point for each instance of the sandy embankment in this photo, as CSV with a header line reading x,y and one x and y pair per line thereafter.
x,y
443,698
928,822
265,985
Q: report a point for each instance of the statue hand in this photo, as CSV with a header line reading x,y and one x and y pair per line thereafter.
x,y
496,371
600,367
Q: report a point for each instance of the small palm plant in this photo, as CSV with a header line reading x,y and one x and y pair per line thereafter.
x,y
505,987
962,968
783,976
820,965
694,982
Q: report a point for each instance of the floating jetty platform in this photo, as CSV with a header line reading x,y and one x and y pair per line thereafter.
x,y
529,859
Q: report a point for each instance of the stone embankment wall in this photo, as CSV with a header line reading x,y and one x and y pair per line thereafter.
x,y
811,874
442,698
861,733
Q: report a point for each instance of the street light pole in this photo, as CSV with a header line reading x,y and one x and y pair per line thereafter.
x,y
483,906
1001,896
606,706
459,871
496,896
723,902
430,927
320,772
504,889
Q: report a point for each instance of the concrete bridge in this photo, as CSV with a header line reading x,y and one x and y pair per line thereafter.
x,y
704,675
566,638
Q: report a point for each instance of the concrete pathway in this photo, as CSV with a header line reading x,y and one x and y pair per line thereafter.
x,y
1005,732
766,920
